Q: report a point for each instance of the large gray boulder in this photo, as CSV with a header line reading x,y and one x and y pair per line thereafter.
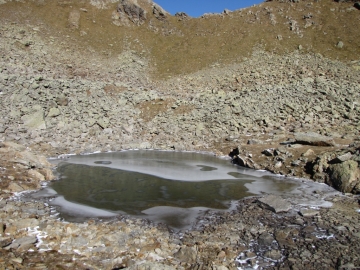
x,y
345,176
35,120
274,203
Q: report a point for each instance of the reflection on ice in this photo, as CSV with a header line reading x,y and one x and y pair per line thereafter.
x,y
169,165
174,217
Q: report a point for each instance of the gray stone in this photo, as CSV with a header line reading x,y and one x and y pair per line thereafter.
x,y
309,212
345,176
265,239
103,123
26,223
274,203
340,45
54,112
35,120
342,158
62,101
21,243
312,138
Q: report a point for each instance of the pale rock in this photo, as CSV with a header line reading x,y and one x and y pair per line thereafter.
x,y
14,187
35,120
35,174
54,112
274,203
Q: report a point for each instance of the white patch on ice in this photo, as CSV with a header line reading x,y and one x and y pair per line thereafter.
x,y
80,210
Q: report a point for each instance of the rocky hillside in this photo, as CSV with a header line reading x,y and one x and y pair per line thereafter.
x,y
180,44
276,84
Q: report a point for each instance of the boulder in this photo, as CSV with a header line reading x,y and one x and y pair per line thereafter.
x,y
274,203
312,138
345,176
34,120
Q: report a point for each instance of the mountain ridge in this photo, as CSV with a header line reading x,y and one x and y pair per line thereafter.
x,y
176,45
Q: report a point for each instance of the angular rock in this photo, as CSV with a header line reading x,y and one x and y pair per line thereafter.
x,y
274,203
35,120
342,158
14,187
54,112
22,243
312,138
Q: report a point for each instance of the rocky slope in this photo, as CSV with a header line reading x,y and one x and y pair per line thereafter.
x,y
112,75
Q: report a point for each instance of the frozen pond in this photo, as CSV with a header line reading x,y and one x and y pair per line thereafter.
x,y
163,186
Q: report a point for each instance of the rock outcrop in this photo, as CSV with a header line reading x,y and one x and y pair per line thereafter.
x,y
135,13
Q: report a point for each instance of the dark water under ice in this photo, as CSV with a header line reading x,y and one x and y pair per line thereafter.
x,y
163,186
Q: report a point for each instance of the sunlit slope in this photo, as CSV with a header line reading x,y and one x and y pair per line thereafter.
x,y
177,45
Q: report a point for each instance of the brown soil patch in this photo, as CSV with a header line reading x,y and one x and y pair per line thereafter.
x,y
152,108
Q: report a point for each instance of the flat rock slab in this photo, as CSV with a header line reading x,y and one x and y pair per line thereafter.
x,y
312,138
22,242
309,212
274,203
